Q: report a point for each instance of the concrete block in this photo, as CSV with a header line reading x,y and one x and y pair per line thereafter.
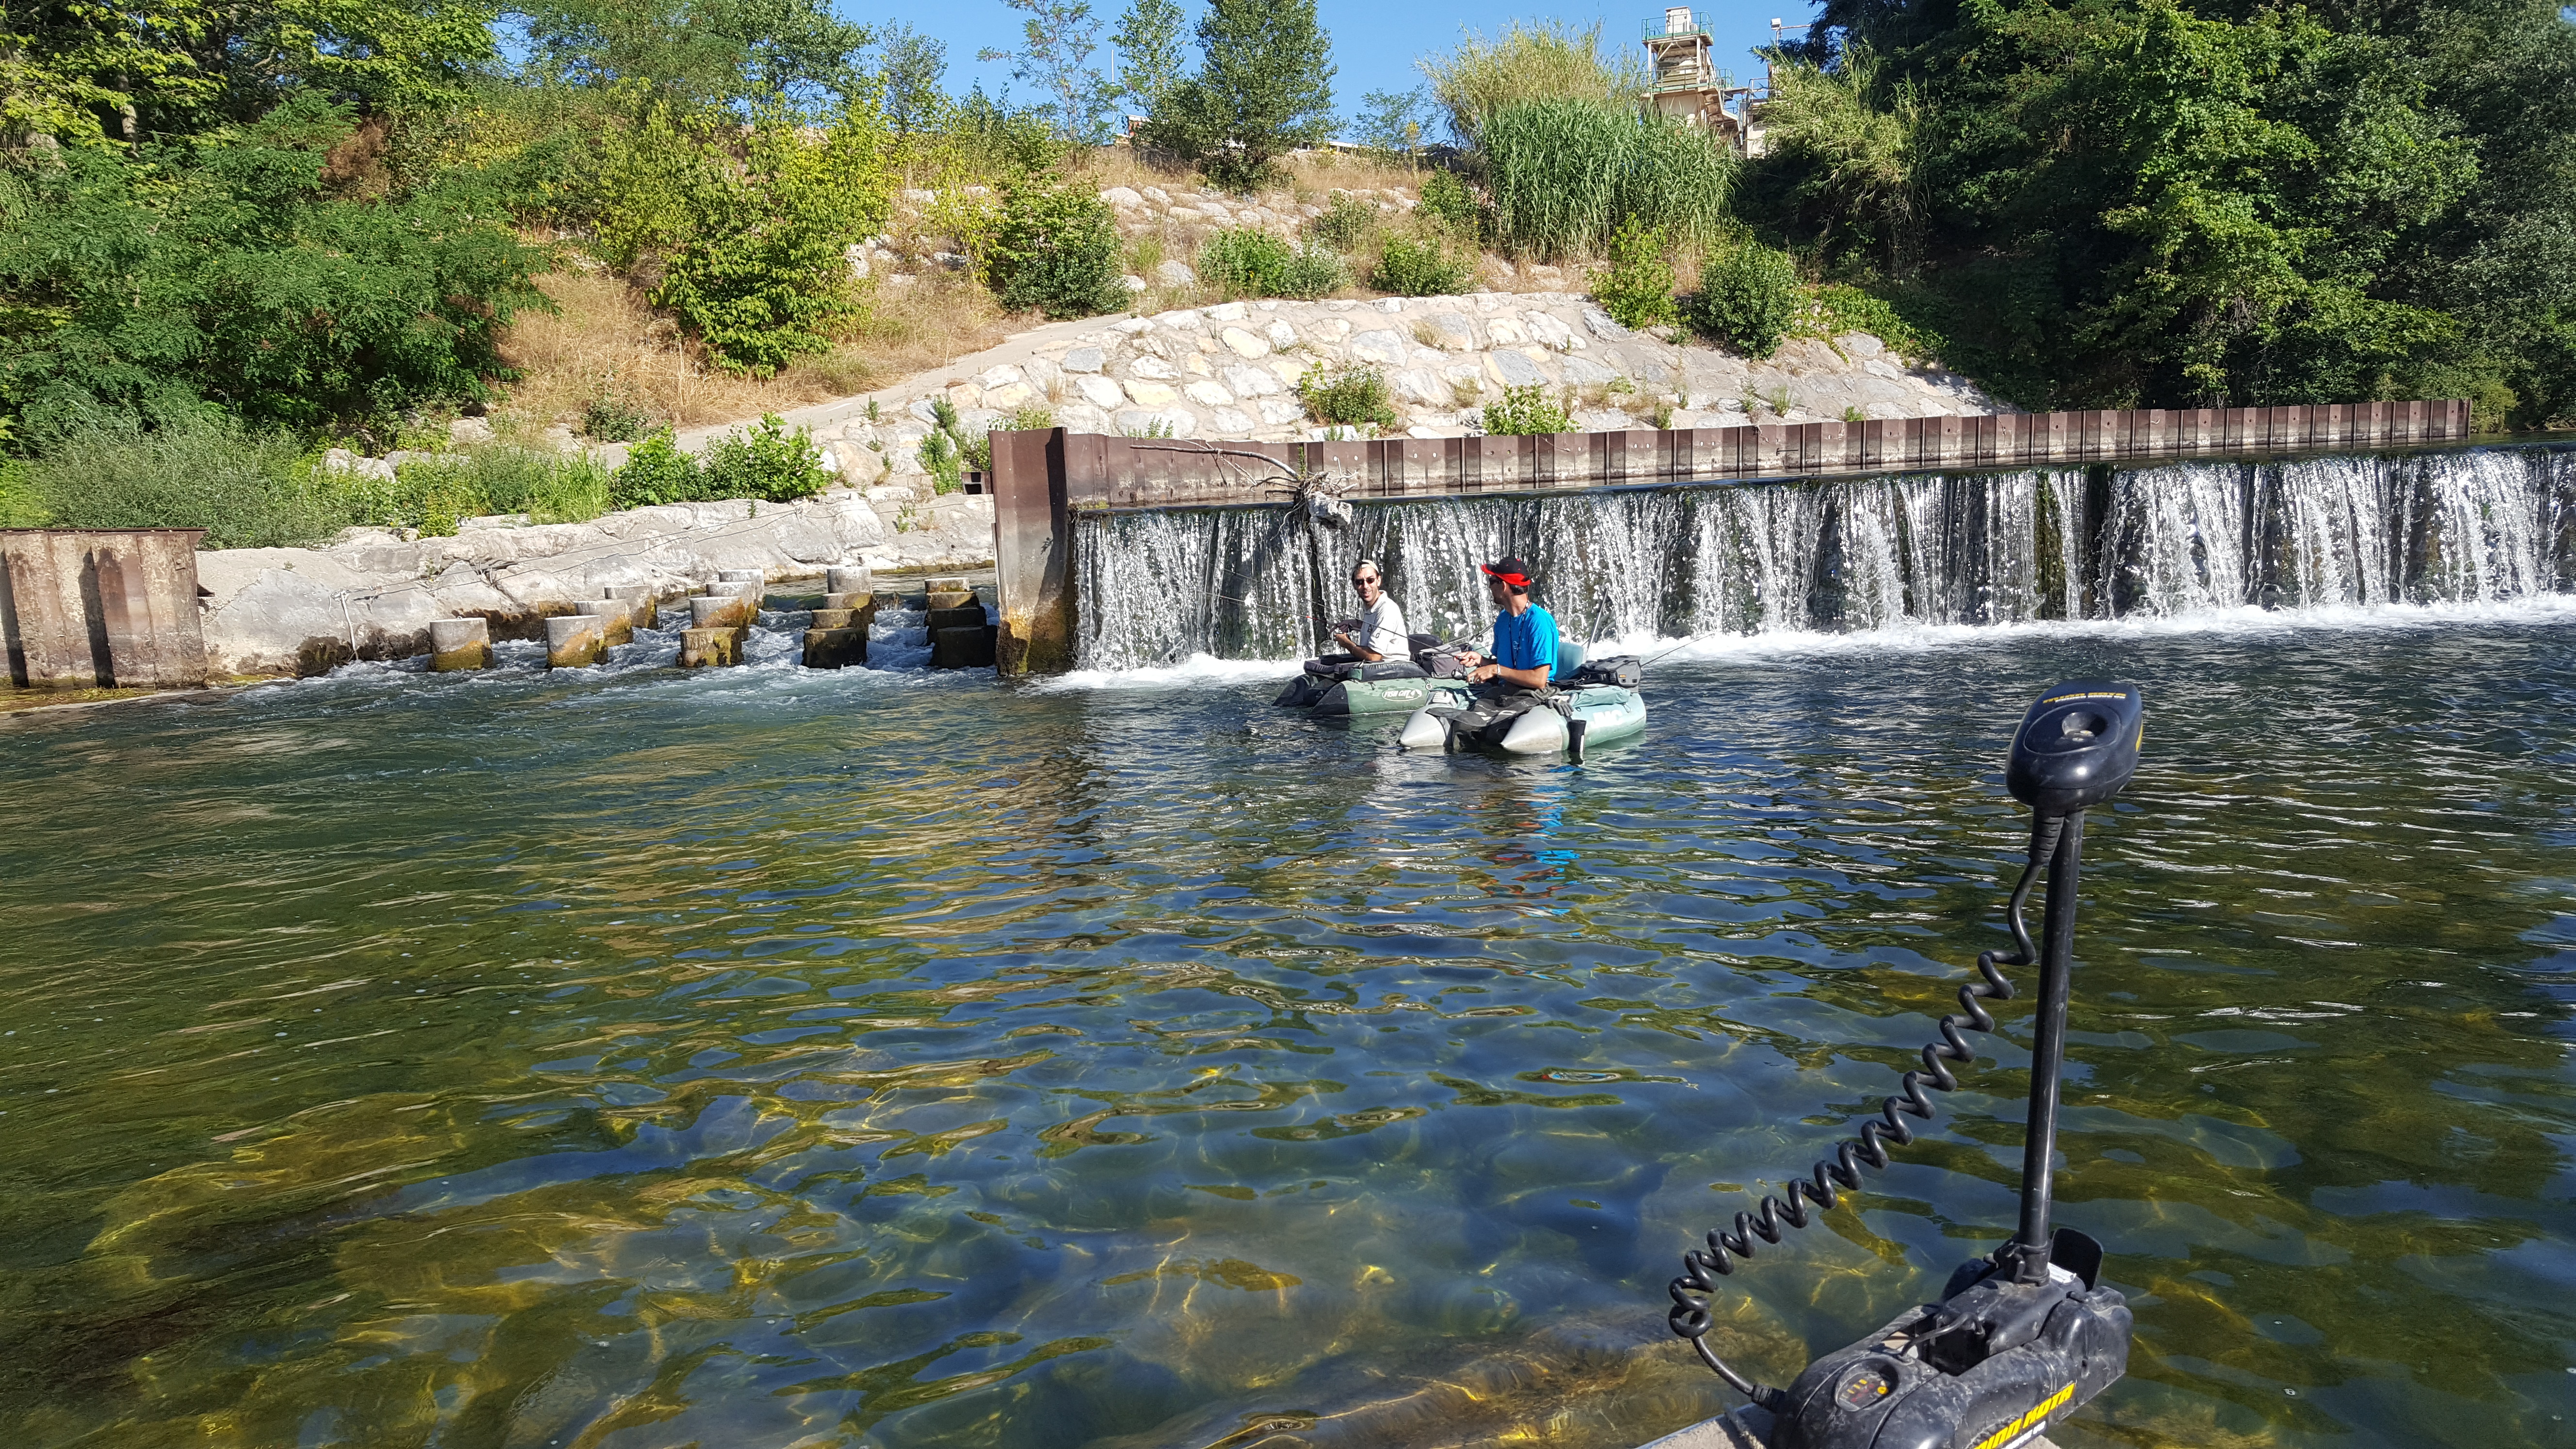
x,y
848,581
616,617
938,586
949,598
721,644
965,616
456,644
835,648
860,600
756,577
640,600
722,611
863,617
575,641
965,648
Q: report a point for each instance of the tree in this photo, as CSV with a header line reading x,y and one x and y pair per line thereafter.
x,y
716,53
909,68
1265,86
1149,52
1391,121
231,271
1056,44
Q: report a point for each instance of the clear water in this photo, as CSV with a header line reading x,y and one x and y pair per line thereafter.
x,y
758,1058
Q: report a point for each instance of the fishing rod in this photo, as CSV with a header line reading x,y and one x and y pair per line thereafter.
x,y
2028,1334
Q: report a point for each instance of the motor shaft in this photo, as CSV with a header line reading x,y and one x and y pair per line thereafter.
x,y
2030,1245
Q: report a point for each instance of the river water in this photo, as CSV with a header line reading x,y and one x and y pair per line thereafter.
x,y
761,1059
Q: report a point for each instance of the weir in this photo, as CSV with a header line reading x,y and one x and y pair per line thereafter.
x,y
1045,480
2102,541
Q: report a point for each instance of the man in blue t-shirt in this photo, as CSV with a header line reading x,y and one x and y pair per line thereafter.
x,y
1524,636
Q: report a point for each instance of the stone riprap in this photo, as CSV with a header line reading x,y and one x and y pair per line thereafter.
x,y
375,594
1231,371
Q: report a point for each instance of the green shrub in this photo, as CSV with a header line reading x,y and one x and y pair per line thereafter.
x,y
656,471
613,418
1748,297
1055,251
1249,262
1312,272
246,489
1841,308
1423,267
767,463
1446,198
1348,396
1637,289
1345,223
1244,261
754,261
1525,411
1565,174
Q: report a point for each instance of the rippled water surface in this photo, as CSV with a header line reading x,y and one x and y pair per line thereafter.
x,y
765,1059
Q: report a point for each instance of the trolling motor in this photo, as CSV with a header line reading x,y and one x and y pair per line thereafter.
x,y
2026,1335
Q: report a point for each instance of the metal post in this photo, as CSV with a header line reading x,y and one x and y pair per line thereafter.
x,y
2048,1053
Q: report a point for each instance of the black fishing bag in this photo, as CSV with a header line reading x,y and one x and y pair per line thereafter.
x,y
1623,670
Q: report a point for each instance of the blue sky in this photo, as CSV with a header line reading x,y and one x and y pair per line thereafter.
x,y
1374,42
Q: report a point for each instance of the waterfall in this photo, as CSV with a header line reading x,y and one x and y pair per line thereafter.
x,y
1847,554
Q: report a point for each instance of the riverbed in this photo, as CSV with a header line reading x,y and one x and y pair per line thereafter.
x,y
765,1057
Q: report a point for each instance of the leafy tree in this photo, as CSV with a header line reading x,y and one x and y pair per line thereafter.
x,y
1526,411
1148,41
1264,87
1391,121
231,270
909,69
2146,202
722,53
1056,44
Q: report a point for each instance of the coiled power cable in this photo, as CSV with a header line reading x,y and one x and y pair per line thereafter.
x,y
1842,1172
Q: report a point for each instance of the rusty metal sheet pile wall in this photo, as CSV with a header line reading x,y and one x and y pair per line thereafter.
x,y
1117,472
102,608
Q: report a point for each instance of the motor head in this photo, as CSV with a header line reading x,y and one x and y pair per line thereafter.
x,y
2077,746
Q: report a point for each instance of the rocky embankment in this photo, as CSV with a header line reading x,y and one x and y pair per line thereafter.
x,y
1232,370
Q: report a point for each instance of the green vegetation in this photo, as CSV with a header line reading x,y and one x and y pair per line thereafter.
x,y
1748,297
1421,267
1525,411
1351,396
1250,262
1547,61
205,470
1564,175
1446,198
2148,204
1055,251
1346,222
1637,288
1264,87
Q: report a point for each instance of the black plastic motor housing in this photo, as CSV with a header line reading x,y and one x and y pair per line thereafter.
x,y
2077,746
1991,1366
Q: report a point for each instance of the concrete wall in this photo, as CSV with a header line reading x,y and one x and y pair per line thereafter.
x,y
1040,479
86,609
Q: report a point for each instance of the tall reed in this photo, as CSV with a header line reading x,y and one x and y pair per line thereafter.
x,y
1563,176
1547,61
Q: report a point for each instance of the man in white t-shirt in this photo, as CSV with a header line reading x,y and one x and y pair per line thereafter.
x,y
1379,634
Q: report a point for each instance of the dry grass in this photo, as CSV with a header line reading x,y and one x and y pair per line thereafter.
x,y
603,341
